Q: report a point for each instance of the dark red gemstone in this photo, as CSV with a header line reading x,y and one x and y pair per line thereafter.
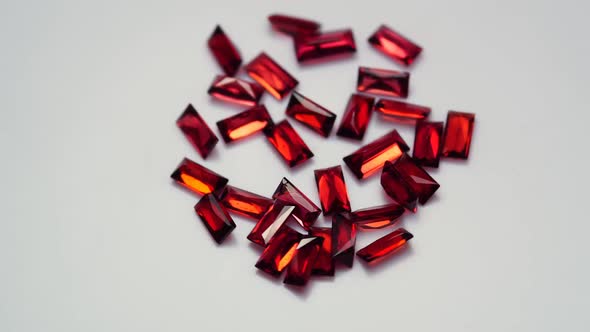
x,y
401,111
288,143
398,189
343,239
305,209
320,46
310,114
383,82
416,177
332,190
301,265
371,157
244,202
244,124
197,178
276,80
356,117
270,223
385,245
394,45
458,132
279,252
235,90
197,131
293,26
215,217
378,216
427,141
224,51
324,264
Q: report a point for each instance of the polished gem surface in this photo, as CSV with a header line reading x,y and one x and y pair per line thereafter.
x,y
325,45
215,217
457,136
244,124
324,264
288,143
343,239
293,26
305,209
416,177
276,80
394,45
235,90
301,265
224,51
244,202
356,117
427,141
270,223
377,216
385,245
332,190
401,111
383,82
279,252
311,114
197,131
197,178
398,189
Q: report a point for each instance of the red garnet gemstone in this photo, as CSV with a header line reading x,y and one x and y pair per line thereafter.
x,y
293,25
395,45
385,245
271,76
324,45
270,223
224,51
301,266
458,131
235,90
356,117
416,177
427,140
324,264
244,202
399,110
215,217
378,216
383,82
197,178
371,157
305,209
343,239
332,190
197,131
244,124
310,114
279,252
288,143
398,189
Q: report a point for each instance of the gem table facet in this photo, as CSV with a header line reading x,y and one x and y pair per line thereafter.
x,y
378,216
324,264
276,80
427,141
383,82
197,178
305,209
385,245
300,268
401,111
324,45
279,252
419,181
332,190
270,223
235,90
356,117
244,202
398,189
310,114
343,239
394,45
288,143
244,124
197,131
457,137
224,51
293,26
215,217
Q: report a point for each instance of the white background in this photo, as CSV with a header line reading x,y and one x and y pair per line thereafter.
x,y
95,237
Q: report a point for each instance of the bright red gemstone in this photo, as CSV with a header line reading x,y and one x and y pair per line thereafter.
x,y
197,131
244,202
197,178
293,26
385,245
332,190
343,239
324,264
427,141
356,117
244,124
279,252
215,217
270,223
224,51
288,143
305,209
371,157
310,114
235,90
383,82
416,177
458,131
394,45
300,268
397,188
401,111
378,216
277,81
324,45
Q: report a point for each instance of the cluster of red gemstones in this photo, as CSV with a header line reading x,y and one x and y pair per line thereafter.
x,y
403,178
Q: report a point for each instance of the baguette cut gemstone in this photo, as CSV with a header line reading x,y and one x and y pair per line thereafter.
x,y
427,141
310,114
383,82
301,265
398,189
458,132
385,245
215,217
244,124
293,26
288,143
324,264
224,51
197,131
343,239
332,190
321,46
356,117
305,209
279,252
394,45
402,111
270,223
244,202
378,216
235,90
197,178
271,76
416,177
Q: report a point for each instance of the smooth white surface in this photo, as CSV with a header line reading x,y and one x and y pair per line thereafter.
x,y
95,237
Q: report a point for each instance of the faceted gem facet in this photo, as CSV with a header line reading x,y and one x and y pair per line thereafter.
x,y
288,143
310,114
244,202
356,117
305,209
383,82
416,177
244,124
324,45
385,245
458,131
277,81
279,252
378,216
197,178
293,26
224,51
324,264
427,141
371,157
397,188
332,190
402,111
270,223
215,217
301,265
343,239
395,45
197,131
235,90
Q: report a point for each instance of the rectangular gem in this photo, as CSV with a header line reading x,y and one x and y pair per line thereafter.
x,y
305,208
224,51
293,26
276,80
310,114
244,124
244,202
397,188
300,268
356,117
427,141
332,189
279,252
383,82
394,45
270,223
385,245
197,178
320,46
215,217
378,216
401,111
343,239
288,143
324,264
235,90
197,131
416,177
458,132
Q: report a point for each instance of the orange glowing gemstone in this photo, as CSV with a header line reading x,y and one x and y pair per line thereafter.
x,y
244,202
288,143
244,124
458,131
276,80
301,265
279,252
332,190
197,178
385,245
